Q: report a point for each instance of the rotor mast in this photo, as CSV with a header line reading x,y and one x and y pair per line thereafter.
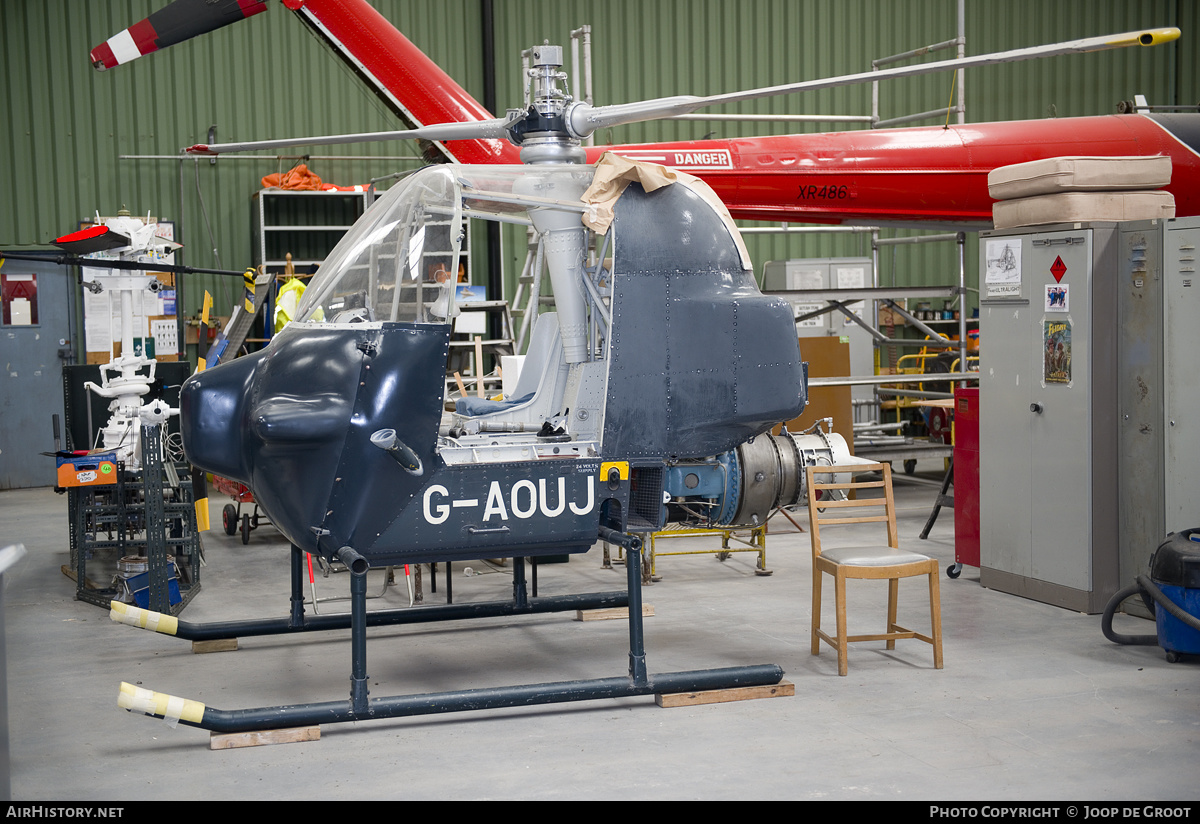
x,y
542,134
542,131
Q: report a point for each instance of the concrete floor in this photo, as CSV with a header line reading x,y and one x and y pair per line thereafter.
x,y
1033,703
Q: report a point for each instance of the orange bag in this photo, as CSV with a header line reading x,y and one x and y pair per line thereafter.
x,y
298,177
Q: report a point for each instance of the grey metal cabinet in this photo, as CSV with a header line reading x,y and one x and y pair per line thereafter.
x,y
1087,375
1181,399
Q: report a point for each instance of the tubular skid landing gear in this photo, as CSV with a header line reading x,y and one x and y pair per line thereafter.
x,y
297,621
361,707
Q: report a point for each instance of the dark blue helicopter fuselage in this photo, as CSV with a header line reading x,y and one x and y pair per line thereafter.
x,y
699,362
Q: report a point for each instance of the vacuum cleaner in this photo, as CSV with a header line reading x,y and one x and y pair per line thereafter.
x,y
1171,593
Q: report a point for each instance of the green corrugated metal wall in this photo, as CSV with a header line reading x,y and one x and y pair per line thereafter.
x,y
67,125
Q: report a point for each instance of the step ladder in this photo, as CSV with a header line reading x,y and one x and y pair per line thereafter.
x,y
472,347
528,296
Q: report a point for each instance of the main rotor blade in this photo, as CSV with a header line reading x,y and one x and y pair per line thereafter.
x,y
585,119
93,239
174,23
482,129
128,265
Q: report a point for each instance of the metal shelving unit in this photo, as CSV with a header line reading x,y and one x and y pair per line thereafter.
x,y
306,225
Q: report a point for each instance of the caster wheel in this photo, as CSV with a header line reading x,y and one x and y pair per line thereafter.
x,y
245,529
229,519
954,570
722,556
1174,657
910,467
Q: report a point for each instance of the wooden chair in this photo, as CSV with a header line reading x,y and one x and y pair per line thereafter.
x,y
882,561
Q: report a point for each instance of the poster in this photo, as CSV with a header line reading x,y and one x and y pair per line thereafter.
x,y
1057,351
1058,298
1003,276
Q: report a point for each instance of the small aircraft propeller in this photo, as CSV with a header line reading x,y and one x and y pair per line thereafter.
x,y
554,115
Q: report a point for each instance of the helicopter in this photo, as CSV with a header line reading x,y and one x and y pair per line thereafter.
x,y
648,396
863,177
619,422
694,390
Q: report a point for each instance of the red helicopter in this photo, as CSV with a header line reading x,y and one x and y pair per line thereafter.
x,y
865,176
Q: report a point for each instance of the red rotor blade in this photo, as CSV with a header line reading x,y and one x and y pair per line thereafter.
x,y
179,21
92,239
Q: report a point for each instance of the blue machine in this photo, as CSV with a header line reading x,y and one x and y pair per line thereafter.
x,y
1171,593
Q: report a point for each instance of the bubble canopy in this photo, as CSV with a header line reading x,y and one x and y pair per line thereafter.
x,y
402,260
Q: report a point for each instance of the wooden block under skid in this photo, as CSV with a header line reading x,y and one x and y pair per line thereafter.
x,y
215,645
610,614
691,699
234,740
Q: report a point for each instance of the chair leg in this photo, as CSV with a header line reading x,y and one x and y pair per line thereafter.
x,y
842,644
935,616
817,579
893,605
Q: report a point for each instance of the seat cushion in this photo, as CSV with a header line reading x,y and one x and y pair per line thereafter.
x,y
881,555
1069,207
1078,174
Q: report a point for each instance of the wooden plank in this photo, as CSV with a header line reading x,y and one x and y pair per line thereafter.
x,y
262,738
611,614
215,645
70,573
690,699
828,357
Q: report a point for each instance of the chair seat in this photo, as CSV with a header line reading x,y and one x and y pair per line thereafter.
x,y
881,555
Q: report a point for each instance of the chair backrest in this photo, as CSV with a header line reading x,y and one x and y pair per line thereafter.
x,y
543,354
825,508
543,379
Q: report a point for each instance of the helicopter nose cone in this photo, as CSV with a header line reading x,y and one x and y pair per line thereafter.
x,y
294,423
212,414
275,421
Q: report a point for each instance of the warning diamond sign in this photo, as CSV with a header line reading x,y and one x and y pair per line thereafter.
x,y
1058,269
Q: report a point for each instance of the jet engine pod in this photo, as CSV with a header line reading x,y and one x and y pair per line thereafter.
x,y
741,487
294,423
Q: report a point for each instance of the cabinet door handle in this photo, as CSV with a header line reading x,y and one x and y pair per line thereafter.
x,y
1036,407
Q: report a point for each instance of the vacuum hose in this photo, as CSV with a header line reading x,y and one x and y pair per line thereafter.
x,y
1145,587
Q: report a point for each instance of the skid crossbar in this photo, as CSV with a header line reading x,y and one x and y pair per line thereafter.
x,y
361,707
299,622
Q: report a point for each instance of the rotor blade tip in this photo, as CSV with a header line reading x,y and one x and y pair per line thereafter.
x,y
1146,37
199,149
1156,37
102,57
